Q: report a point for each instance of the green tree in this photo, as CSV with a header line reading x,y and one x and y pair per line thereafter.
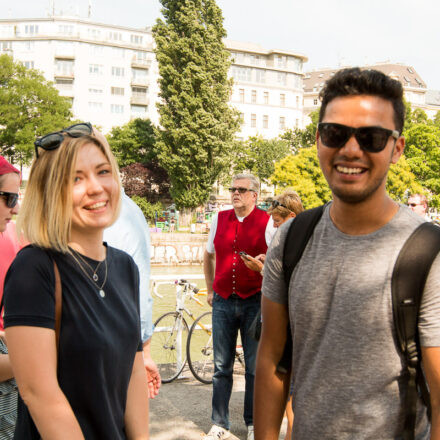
x,y
30,106
437,119
302,138
258,155
422,152
198,126
401,181
302,173
133,142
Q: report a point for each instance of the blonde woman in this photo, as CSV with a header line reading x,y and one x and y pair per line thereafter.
x,y
93,385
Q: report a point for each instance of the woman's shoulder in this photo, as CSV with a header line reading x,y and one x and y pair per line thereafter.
x,y
119,256
33,254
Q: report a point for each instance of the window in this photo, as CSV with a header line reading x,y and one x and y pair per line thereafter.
x,y
315,101
241,93
282,122
29,45
115,36
255,60
31,29
96,50
297,101
93,33
5,46
140,55
95,105
139,92
117,108
260,76
138,109
65,29
282,78
117,71
95,91
241,73
28,64
266,97
281,61
65,81
64,67
95,69
253,120
282,100
265,121
117,91
254,97
140,75
136,39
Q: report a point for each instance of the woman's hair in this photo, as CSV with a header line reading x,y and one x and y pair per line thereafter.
x,y
291,200
46,213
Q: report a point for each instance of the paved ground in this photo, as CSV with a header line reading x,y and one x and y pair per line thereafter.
x,y
182,410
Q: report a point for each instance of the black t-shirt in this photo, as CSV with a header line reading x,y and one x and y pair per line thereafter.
x,y
99,337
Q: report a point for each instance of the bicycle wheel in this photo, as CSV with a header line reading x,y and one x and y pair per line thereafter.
x,y
199,348
168,345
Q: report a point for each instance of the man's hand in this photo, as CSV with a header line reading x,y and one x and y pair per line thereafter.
x,y
210,297
252,263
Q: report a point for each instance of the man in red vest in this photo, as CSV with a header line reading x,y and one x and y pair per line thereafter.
x,y
234,294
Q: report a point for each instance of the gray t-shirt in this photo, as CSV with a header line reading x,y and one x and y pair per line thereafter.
x,y
346,367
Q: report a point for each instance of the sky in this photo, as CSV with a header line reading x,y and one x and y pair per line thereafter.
x,y
331,33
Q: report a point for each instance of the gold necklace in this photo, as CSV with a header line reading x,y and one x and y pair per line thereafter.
x,y
100,288
95,272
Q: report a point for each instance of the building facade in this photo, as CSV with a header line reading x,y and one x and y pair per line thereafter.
x,y
415,89
110,73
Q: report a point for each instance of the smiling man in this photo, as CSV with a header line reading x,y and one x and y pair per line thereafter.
x,y
346,367
234,292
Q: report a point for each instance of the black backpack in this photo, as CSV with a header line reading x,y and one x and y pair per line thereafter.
x,y
408,281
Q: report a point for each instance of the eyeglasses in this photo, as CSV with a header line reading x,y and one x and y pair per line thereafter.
x,y
276,203
371,139
53,140
11,198
413,205
239,189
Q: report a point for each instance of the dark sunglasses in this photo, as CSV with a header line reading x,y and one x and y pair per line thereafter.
x,y
239,189
276,203
11,198
413,205
53,140
371,139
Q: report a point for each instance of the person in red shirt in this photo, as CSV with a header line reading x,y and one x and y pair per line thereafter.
x,y
234,292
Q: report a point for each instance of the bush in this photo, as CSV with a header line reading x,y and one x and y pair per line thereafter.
x,y
148,209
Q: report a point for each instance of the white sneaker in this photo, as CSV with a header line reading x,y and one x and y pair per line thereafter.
x,y
217,433
250,434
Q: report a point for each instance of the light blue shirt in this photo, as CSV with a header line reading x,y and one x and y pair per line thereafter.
x,y
130,233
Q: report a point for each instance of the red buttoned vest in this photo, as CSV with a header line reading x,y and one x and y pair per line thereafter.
x,y
232,236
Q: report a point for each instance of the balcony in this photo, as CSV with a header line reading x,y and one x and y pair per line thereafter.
x,y
139,99
143,81
140,63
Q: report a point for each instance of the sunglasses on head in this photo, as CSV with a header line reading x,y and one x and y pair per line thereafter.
x,y
11,198
239,189
371,139
276,203
53,140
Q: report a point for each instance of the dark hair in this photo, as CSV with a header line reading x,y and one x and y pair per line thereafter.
x,y
354,81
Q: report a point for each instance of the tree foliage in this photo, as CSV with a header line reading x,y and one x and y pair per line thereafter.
x,y
302,138
133,142
302,173
198,126
30,106
258,155
148,209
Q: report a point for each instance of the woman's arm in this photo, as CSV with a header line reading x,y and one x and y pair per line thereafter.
x,y
5,368
136,410
33,356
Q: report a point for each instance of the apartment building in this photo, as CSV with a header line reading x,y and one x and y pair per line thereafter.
x,y
110,73
415,89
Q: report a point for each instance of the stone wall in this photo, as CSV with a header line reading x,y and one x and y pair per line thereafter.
x,y
177,248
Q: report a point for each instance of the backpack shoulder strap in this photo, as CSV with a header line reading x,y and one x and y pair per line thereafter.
x,y
298,235
300,231
407,284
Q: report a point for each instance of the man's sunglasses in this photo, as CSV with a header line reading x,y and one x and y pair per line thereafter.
x,y
53,140
239,189
11,198
371,139
276,204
